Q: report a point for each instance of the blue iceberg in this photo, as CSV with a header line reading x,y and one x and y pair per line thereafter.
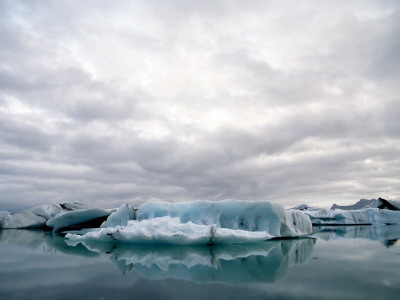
x,y
199,222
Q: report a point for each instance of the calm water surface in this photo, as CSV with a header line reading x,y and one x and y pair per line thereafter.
x,y
337,263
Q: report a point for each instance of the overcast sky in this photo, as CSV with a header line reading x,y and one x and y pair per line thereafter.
x,y
106,102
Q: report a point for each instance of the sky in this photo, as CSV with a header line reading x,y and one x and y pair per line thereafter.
x,y
107,102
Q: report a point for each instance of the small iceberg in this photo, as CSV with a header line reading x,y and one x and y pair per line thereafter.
x,y
55,216
35,217
77,219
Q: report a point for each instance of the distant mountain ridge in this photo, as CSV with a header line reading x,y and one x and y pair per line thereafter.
x,y
374,203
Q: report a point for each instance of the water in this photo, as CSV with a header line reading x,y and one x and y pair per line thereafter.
x,y
337,263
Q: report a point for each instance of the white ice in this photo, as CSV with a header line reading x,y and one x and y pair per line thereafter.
x,y
167,230
233,214
120,217
354,217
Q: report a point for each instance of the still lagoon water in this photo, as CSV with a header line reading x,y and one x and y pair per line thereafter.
x,y
337,263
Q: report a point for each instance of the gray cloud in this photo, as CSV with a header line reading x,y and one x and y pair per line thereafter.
x,y
107,103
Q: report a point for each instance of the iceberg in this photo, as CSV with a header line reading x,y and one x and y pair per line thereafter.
x,y
364,212
77,219
199,222
365,216
56,216
37,216
24,219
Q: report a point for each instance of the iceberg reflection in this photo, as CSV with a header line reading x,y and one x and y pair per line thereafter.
x,y
263,262
228,264
42,240
387,234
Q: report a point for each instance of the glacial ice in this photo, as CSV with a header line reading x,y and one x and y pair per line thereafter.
x,y
31,218
120,217
200,222
167,230
197,222
232,214
47,211
23,219
37,216
78,218
365,216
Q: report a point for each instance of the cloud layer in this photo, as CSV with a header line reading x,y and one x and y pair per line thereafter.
x,y
106,103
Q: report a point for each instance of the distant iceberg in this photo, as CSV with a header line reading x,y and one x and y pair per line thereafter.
x,y
35,217
56,216
364,212
200,222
